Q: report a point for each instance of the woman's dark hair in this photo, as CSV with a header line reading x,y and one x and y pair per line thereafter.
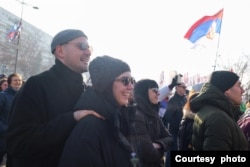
x,y
141,88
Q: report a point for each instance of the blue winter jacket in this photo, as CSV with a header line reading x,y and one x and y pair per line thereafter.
x,y
6,98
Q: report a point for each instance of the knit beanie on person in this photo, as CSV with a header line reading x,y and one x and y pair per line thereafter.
x,y
3,77
104,69
65,36
223,80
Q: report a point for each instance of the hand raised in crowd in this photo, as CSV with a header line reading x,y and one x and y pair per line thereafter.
x,y
174,81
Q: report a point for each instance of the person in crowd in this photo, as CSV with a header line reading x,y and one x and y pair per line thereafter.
x,y
42,115
153,138
244,123
3,76
3,84
103,143
166,90
6,97
164,93
163,107
186,125
215,123
173,115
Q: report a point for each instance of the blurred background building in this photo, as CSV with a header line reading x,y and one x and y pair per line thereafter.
x,y
28,55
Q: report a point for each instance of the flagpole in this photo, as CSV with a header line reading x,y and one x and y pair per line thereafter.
x,y
216,56
19,33
18,37
218,45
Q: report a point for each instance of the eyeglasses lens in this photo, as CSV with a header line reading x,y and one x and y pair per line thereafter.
x,y
155,90
84,46
127,80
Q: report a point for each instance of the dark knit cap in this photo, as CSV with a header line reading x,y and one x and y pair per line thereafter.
x,y
65,36
104,69
223,80
3,76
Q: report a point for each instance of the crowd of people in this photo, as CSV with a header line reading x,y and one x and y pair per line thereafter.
x,y
9,87
56,119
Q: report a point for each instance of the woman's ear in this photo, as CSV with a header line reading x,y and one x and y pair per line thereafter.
x,y
226,92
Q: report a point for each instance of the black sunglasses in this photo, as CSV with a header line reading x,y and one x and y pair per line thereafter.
x,y
126,80
155,90
184,87
82,46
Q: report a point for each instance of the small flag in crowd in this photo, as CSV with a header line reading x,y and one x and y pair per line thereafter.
x,y
206,27
14,31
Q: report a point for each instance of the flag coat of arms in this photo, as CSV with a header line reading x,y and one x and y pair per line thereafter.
x,y
207,26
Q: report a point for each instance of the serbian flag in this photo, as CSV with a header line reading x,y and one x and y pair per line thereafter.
x,y
14,32
206,27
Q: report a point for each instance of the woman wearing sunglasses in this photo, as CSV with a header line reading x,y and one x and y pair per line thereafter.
x,y
153,138
96,142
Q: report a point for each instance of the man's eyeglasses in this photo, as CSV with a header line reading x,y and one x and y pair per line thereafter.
x,y
184,87
126,80
155,90
82,46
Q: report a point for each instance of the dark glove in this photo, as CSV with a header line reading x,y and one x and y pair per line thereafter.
x,y
174,82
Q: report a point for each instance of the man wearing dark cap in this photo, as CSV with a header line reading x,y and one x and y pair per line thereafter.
x,y
42,114
215,124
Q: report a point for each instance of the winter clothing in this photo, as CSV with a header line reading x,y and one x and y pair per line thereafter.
x,y
223,80
186,126
173,115
174,81
149,127
215,124
103,71
42,117
172,119
6,98
244,123
3,76
65,36
95,142
186,131
165,92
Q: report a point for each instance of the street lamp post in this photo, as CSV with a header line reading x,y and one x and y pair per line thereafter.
x,y
19,32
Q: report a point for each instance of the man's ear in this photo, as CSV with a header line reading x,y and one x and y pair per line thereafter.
x,y
59,52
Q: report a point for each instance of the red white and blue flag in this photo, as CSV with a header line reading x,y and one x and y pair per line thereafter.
x,y
14,31
207,27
